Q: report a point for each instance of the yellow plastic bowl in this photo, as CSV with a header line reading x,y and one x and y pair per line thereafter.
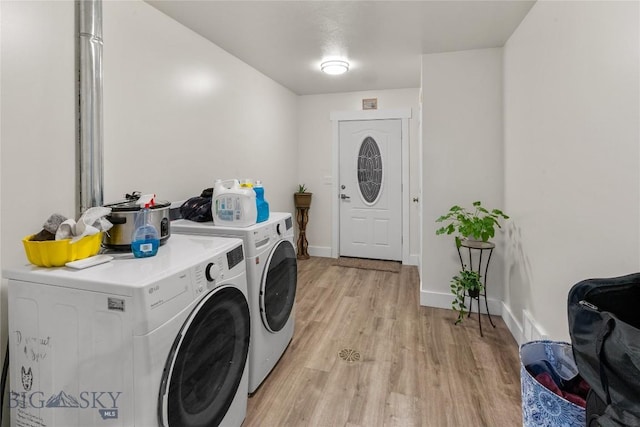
x,y
56,253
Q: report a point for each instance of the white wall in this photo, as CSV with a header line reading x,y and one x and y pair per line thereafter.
x,y
178,113
189,111
462,159
37,167
315,141
37,136
571,153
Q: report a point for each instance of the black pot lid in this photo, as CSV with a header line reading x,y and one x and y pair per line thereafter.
x,y
132,206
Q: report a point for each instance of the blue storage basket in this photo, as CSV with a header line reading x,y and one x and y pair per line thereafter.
x,y
540,406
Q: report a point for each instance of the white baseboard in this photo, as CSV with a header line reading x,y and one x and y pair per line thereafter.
x,y
531,329
325,252
434,299
319,251
496,307
414,259
513,325
443,300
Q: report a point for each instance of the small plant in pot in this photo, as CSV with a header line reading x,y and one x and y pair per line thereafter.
x,y
467,282
477,223
302,198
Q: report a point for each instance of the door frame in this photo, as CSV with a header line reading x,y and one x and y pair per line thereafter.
x,y
336,117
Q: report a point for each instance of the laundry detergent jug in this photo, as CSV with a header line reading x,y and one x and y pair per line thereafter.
x,y
261,204
233,205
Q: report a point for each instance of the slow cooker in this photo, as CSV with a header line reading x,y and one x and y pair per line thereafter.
x,y
123,215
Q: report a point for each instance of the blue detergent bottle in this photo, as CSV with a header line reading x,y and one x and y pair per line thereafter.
x,y
261,204
145,240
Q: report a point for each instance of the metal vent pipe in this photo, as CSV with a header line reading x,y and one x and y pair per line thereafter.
x,y
90,171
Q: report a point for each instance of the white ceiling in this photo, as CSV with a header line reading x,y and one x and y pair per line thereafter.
x,y
383,40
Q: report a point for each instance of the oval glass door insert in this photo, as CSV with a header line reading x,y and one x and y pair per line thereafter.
x,y
370,171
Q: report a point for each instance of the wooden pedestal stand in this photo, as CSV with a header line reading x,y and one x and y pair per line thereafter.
x,y
302,217
302,203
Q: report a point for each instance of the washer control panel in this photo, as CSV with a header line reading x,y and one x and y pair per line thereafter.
x,y
209,274
212,272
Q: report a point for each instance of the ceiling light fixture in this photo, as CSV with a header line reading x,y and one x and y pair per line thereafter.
x,y
335,66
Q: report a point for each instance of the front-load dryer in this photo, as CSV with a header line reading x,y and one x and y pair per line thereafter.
x,y
271,279
160,341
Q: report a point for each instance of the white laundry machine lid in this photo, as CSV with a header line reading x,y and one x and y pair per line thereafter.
x,y
257,237
125,273
208,228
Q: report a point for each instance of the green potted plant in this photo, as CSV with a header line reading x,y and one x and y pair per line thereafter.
x,y
477,223
302,198
467,282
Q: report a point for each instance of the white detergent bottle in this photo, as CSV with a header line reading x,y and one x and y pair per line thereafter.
x,y
233,205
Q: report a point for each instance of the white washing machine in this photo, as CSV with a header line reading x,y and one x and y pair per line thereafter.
x,y
160,341
272,278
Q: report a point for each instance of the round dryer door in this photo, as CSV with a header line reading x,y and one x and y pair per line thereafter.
x,y
206,362
278,287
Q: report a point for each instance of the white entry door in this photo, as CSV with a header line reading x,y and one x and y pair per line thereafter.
x,y
370,155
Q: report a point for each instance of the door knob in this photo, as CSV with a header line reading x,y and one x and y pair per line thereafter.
x,y
344,196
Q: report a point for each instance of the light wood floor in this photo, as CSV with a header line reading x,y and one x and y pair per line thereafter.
x,y
416,367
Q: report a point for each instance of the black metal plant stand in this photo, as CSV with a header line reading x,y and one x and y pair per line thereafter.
x,y
479,248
